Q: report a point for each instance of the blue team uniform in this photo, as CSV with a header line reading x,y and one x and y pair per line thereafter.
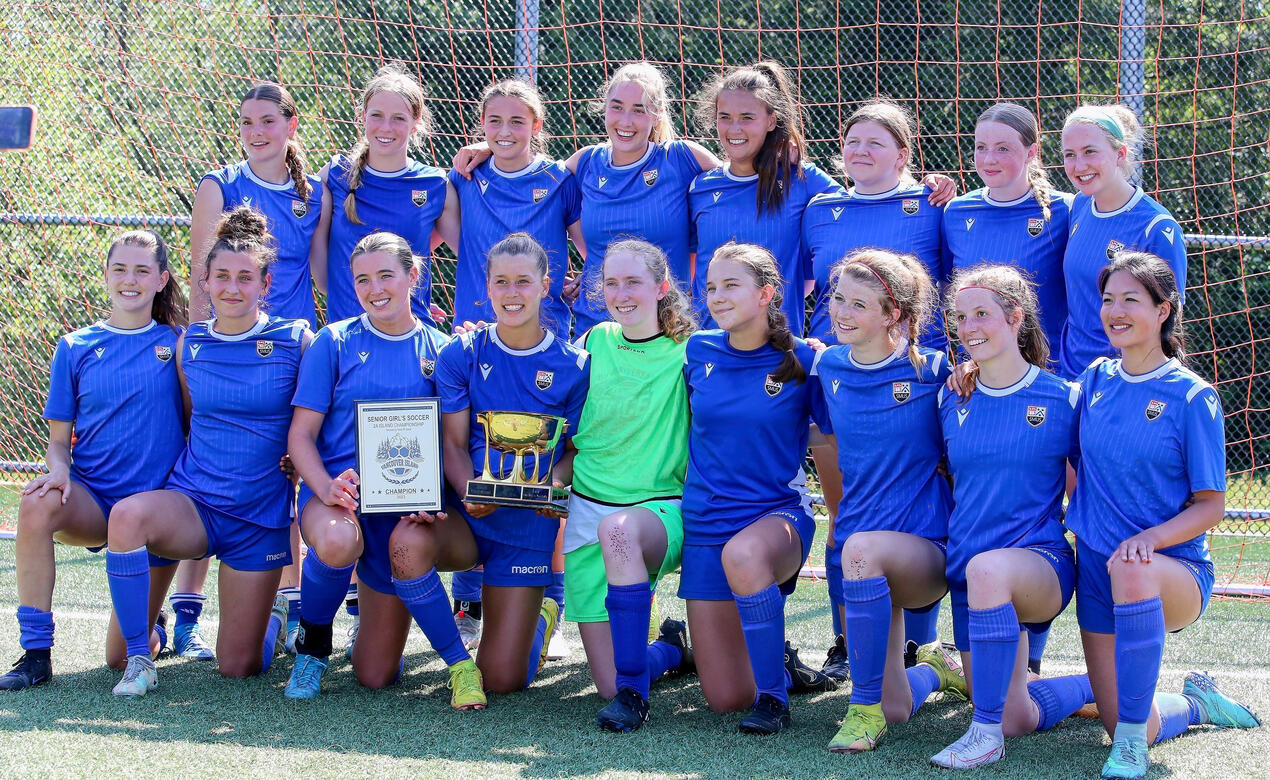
x,y
1008,450
351,361
1094,237
978,229
405,202
543,200
725,208
901,220
477,372
1148,443
118,387
647,199
292,222
746,448
240,390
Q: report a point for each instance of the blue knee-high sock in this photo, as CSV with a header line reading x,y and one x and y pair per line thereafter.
x,y
922,681
1178,712
535,650
661,657
425,598
36,628
555,591
1036,641
188,608
763,622
1056,697
921,627
868,608
994,641
322,589
466,585
629,608
129,576
350,600
269,646
833,573
1139,648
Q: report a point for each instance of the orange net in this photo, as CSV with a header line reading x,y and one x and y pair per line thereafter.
x,y
138,99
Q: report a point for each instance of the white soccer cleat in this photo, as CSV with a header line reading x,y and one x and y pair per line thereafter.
x,y
139,678
558,647
977,747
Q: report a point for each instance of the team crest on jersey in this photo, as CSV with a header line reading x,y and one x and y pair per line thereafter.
x,y
709,368
163,353
484,185
427,365
900,391
716,196
399,458
99,351
970,223
650,177
836,213
600,182
909,206
299,208
418,197
835,384
1034,226
264,348
772,387
362,355
1155,409
1035,415
1113,246
544,379
539,194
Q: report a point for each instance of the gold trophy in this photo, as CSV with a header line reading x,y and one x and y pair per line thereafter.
x,y
521,434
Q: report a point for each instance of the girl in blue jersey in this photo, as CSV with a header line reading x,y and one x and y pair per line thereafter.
x,y
378,187
275,181
890,533
884,208
635,184
386,353
625,527
515,364
1009,564
1150,484
110,383
747,517
758,195
226,496
1109,213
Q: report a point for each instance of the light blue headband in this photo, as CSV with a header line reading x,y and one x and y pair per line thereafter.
x,y
1102,118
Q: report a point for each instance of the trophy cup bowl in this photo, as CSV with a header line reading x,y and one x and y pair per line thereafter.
x,y
520,434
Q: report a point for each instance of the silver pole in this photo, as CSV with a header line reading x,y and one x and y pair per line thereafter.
x,y
527,40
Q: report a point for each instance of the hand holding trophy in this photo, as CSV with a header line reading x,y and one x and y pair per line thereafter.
x,y
520,434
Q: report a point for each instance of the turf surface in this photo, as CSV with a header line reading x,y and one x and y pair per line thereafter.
x,y
198,723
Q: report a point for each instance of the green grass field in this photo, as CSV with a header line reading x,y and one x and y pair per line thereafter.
x,y
197,722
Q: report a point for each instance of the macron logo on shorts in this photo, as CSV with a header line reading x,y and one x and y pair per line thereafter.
x,y
529,569
275,556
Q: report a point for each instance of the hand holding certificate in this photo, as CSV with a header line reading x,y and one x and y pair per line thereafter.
x,y
399,456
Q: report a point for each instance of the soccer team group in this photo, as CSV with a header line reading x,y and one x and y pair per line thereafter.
x,y
691,399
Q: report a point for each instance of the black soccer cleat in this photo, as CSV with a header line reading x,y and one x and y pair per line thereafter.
x,y
910,654
627,712
769,716
33,668
675,632
837,664
804,679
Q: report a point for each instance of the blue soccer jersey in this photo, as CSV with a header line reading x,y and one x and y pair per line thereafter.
x,y
748,437
1093,238
978,229
1148,444
725,208
405,202
886,421
1008,450
292,222
647,199
543,200
240,391
120,389
901,220
476,372
351,361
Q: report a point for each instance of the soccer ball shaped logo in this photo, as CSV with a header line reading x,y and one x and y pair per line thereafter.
x,y
399,458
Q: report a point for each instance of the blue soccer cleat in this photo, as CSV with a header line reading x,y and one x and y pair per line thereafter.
x,y
1222,710
306,677
1128,760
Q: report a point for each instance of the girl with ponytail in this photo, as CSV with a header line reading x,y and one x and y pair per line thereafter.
x,y
1150,485
114,385
747,517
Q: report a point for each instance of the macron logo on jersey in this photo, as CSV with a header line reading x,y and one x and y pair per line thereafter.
x,y
602,181
709,368
835,384
836,213
970,223
962,414
485,369
99,351
247,201
363,354
194,348
484,185
1168,233
1212,405
716,196
1097,397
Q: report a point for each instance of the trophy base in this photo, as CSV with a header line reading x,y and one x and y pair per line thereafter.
x,y
480,491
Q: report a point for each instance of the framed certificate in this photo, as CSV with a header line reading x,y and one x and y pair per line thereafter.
x,y
399,456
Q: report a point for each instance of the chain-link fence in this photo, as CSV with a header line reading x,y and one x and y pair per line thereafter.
x,y
138,100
